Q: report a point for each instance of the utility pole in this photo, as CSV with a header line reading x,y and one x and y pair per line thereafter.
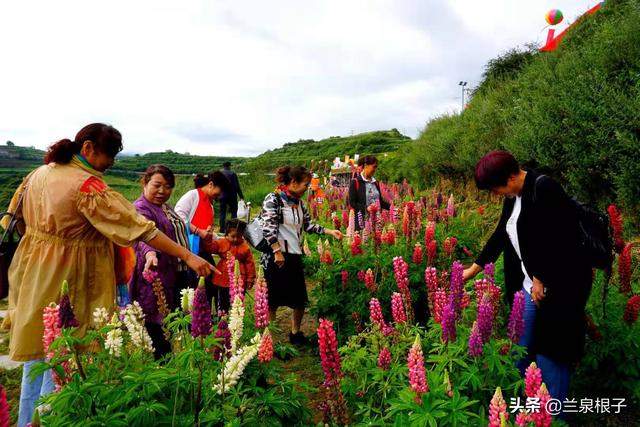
x,y
462,85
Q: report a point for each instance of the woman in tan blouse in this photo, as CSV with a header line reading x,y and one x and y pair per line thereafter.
x,y
73,219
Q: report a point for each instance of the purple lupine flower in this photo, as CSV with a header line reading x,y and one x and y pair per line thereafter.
x,y
449,322
516,321
485,318
457,286
66,317
490,271
224,335
475,341
201,313
360,220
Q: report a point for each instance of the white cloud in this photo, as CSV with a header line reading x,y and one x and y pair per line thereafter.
x,y
236,78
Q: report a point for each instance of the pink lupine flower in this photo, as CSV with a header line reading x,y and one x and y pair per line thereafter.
x,y
370,280
5,417
51,328
345,217
351,228
401,273
523,419
149,276
439,302
66,317
261,303
467,252
475,341
417,375
375,311
393,214
388,330
498,409
397,308
417,254
431,281
515,327
624,269
231,272
265,351
532,380
384,359
632,309
451,207
356,249
542,417
615,219
201,313
449,322
329,357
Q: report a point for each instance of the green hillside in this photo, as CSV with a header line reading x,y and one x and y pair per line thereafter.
x,y
304,151
573,113
177,162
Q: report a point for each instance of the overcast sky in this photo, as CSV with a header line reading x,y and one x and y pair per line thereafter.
x,y
239,77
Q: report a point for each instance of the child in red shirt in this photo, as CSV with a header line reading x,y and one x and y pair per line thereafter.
x,y
232,244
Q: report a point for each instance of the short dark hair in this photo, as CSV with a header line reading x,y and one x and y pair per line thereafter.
x,y
217,178
494,169
226,165
166,173
367,160
286,174
235,224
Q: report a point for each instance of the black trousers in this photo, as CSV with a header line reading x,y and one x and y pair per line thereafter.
x,y
232,205
160,344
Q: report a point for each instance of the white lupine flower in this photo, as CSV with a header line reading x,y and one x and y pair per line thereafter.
x,y
134,321
113,343
236,365
100,317
236,322
186,299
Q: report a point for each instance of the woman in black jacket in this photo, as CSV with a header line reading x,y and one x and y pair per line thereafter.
x,y
364,190
538,235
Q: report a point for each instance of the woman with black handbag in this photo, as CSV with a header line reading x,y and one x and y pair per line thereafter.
x,y
284,218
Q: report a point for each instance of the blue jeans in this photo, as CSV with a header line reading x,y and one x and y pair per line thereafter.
x,y
555,375
31,391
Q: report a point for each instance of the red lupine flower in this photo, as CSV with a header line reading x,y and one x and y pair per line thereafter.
x,y
337,224
361,275
326,257
615,220
432,250
632,309
429,233
467,252
397,308
384,359
532,380
375,311
344,277
449,245
408,219
370,280
417,375
356,249
481,210
624,269
417,254
401,273
265,352
497,409
329,356
439,302
345,217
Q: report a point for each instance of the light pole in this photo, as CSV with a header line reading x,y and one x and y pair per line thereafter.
x,y
462,85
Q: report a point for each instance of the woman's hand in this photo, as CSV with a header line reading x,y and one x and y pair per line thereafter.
x,y
335,233
202,233
200,266
471,272
151,262
279,259
537,291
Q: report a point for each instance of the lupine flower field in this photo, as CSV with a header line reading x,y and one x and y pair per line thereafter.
x,y
401,339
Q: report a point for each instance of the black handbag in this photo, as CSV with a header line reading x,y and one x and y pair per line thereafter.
x,y
9,243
